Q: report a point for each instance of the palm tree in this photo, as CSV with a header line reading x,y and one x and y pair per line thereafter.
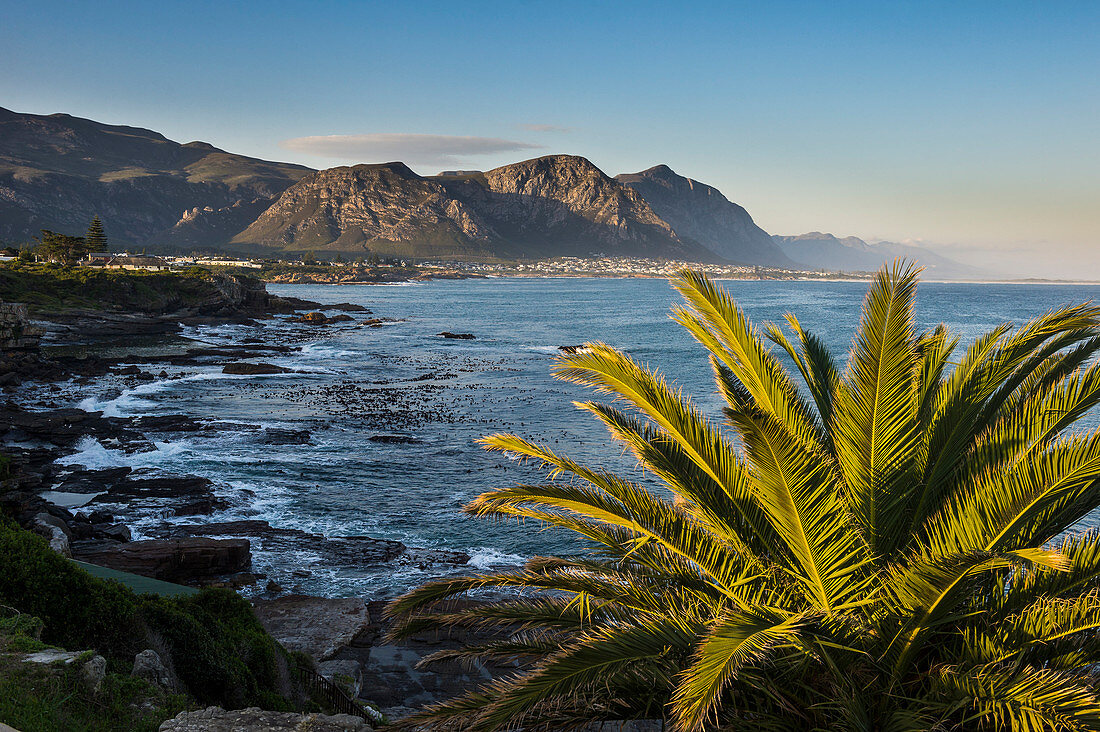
x,y
886,549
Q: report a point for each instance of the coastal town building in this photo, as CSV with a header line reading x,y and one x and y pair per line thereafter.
x,y
140,262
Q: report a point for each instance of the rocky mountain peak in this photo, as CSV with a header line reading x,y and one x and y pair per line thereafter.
x,y
700,212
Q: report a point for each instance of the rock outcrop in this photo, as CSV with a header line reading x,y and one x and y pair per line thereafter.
x,y
702,213
254,719
184,561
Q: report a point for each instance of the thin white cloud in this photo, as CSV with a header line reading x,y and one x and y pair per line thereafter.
x,y
532,127
442,150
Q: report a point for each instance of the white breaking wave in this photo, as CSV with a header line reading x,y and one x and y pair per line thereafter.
x,y
487,558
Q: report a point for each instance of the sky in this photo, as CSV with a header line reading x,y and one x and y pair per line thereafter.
x,y
973,127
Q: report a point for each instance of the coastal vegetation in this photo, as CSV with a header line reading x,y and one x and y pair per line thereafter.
x,y
886,546
213,642
56,288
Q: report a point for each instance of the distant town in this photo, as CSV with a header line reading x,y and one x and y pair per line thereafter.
x,y
340,270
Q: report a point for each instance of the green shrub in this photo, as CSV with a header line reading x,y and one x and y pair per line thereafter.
x,y
78,610
218,648
5,467
220,651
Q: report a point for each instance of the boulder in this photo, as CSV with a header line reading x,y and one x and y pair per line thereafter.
x,y
58,537
459,336
314,318
253,369
176,560
149,667
113,532
94,672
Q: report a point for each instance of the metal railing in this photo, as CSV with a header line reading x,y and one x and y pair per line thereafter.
x,y
331,695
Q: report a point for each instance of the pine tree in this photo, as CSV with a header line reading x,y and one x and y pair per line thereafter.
x,y
96,239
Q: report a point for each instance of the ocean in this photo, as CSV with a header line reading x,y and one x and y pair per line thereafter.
x,y
394,411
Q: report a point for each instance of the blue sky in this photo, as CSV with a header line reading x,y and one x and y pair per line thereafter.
x,y
974,124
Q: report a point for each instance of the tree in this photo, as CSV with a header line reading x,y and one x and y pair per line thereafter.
x,y
884,549
309,258
62,247
95,238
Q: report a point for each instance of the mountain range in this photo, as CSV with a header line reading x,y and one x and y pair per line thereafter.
x,y
851,254
58,171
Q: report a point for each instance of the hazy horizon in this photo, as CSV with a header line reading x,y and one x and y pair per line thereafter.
x,y
969,129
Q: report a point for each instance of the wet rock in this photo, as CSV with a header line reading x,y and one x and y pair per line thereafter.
x,y
101,517
112,532
347,307
274,436
166,423
394,439
339,551
341,319
254,369
178,560
314,318
459,336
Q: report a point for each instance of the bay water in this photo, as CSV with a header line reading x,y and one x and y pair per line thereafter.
x,y
394,412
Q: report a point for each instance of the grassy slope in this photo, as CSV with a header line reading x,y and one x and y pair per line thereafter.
x,y
56,699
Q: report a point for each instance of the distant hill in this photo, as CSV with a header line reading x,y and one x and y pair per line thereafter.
x,y
558,205
702,213
58,171
851,254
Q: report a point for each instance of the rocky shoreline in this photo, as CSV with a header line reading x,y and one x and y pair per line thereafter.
x,y
74,506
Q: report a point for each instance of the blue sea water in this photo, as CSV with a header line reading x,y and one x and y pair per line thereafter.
x,y
402,380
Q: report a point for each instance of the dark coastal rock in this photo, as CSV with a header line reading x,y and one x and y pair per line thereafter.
x,y
314,318
394,439
297,303
186,495
178,560
274,436
166,423
348,307
65,427
112,532
459,336
92,481
254,369
344,550
341,319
